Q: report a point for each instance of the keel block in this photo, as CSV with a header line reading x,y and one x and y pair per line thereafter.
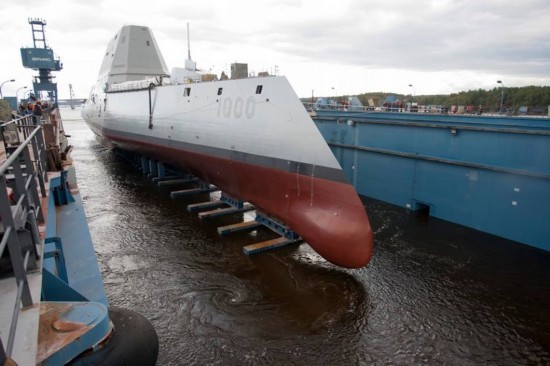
x,y
225,211
193,207
185,192
268,245
241,226
176,180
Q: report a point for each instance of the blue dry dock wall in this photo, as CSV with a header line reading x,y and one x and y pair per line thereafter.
x,y
488,173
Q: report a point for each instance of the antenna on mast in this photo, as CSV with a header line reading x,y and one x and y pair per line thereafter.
x,y
188,43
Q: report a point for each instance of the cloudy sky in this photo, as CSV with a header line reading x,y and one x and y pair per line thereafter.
x,y
325,47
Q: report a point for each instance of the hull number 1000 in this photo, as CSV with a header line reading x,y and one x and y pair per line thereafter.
x,y
236,107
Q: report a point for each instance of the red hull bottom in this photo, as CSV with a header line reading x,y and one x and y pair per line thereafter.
x,y
327,214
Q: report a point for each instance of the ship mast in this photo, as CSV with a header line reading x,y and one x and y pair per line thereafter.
x,y
188,43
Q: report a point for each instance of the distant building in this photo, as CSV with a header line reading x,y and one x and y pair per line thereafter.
x,y
209,77
239,71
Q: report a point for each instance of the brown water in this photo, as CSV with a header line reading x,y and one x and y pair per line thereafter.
x,y
434,293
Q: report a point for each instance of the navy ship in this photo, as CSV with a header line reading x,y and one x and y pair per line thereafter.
x,y
250,137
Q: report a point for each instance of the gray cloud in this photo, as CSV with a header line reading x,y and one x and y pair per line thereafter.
x,y
470,39
491,36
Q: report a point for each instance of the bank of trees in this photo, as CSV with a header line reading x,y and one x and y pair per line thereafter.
x,y
535,97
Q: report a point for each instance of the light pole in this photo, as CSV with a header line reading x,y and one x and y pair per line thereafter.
x,y
414,90
414,93
334,103
1,85
17,93
501,95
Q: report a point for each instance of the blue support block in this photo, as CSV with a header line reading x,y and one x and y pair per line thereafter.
x,y
153,169
233,202
144,165
277,227
161,170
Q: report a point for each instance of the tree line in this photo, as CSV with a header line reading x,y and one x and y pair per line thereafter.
x,y
513,98
534,97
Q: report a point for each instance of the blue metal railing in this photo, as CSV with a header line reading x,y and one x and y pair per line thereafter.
x,y
22,175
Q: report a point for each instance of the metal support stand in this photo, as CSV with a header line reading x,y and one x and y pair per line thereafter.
x,y
226,205
202,188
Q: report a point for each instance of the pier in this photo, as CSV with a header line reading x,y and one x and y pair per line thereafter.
x,y
53,305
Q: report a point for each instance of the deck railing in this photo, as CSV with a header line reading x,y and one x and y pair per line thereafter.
x,y
22,176
310,107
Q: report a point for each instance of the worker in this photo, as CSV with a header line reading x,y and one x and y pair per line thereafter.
x,y
37,112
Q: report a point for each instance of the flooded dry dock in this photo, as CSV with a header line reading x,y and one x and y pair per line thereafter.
x,y
434,292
